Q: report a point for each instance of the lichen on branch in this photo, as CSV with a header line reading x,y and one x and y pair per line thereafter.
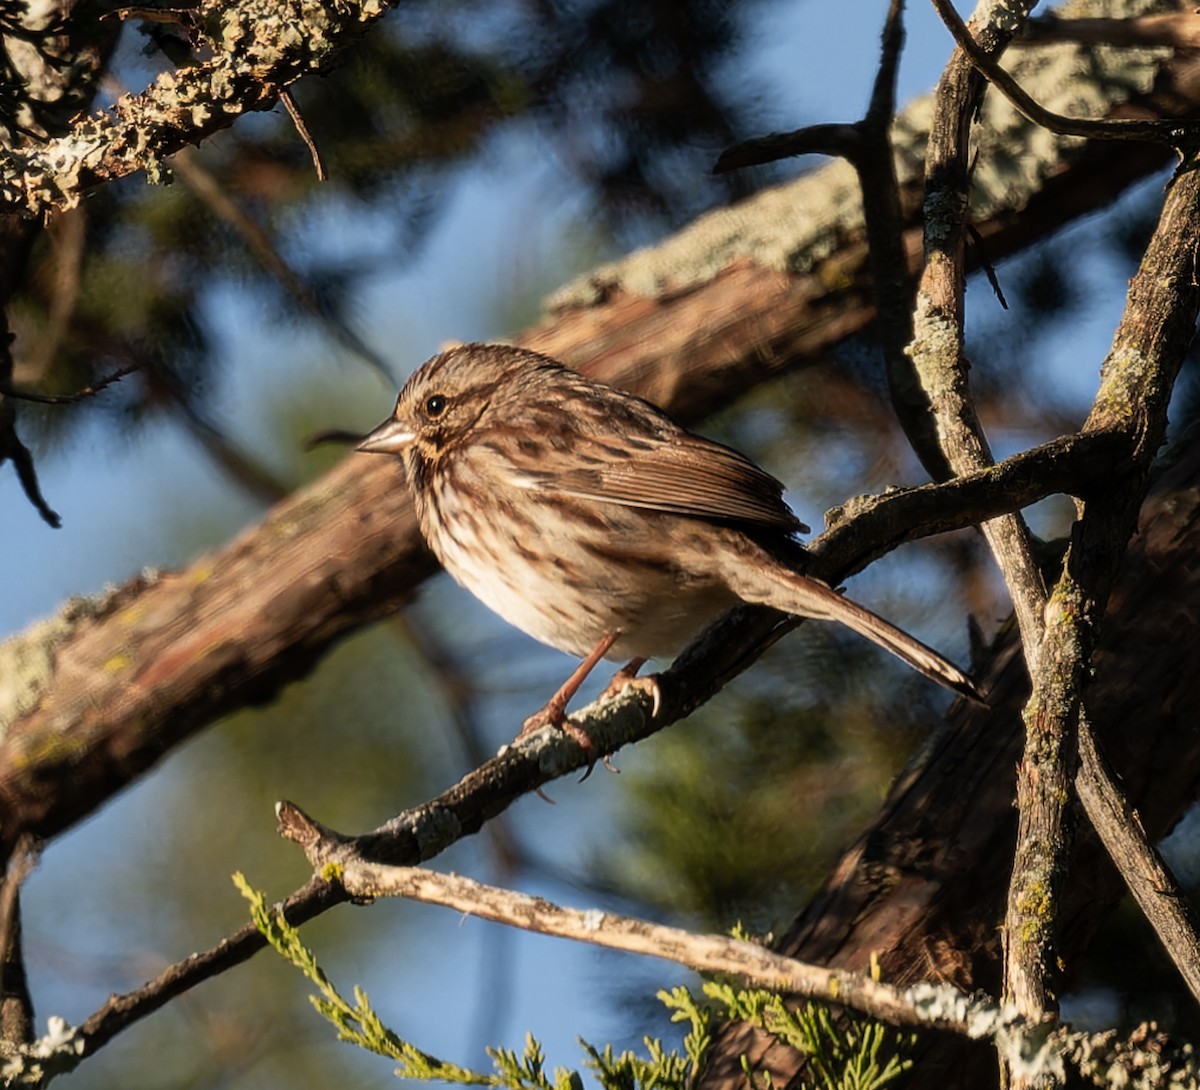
x,y
253,52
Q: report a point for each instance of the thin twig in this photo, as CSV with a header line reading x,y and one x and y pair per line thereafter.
x,y
1175,134
79,395
208,189
12,448
839,140
986,266
298,120
867,146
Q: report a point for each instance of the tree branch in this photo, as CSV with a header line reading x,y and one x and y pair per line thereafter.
x,y
1149,348
83,394
258,48
1181,136
939,359
365,879
1148,878
212,619
1027,1047
731,646
937,354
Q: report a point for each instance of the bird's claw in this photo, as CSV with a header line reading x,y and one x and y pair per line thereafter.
x,y
648,685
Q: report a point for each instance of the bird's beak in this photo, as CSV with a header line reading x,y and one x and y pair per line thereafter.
x,y
391,437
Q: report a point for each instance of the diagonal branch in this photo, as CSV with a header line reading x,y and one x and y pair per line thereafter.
x,y
1139,374
937,355
215,639
1147,877
366,879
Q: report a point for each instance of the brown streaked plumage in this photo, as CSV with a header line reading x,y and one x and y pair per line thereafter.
x,y
590,520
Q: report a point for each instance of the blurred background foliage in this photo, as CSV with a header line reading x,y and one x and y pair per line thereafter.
x,y
628,99
257,306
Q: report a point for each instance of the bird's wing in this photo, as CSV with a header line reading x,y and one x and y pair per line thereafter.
x,y
686,475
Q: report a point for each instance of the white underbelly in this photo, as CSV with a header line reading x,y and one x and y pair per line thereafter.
x,y
655,614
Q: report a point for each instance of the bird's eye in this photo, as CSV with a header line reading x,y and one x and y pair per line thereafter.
x,y
435,406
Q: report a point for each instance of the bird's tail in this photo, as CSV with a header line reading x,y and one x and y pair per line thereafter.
x,y
772,584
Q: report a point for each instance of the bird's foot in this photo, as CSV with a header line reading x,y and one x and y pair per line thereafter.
x,y
626,678
555,714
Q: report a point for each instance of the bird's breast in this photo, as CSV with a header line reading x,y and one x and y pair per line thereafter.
x,y
566,571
